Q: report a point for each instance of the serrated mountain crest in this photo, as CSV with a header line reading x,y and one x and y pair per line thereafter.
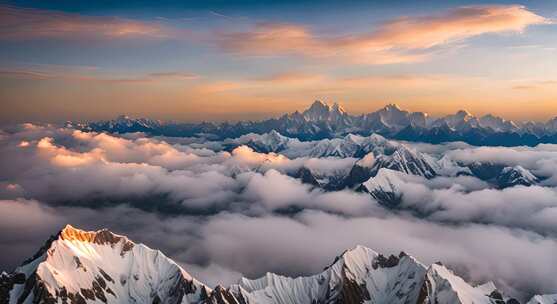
x,y
321,120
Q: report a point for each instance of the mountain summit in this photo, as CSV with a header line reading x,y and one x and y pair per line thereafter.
x,y
322,112
77,266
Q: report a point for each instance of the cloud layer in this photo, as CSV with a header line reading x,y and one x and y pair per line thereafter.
x,y
215,211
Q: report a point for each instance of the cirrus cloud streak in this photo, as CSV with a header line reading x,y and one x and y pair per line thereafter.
x,y
26,24
407,39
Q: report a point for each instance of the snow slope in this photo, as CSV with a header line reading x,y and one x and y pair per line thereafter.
x,y
442,286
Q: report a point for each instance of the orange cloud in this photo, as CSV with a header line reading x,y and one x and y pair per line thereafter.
x,y
400,40
308,81
456,24
23,24
409,80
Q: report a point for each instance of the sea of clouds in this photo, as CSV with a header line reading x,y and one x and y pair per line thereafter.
x,y
223,214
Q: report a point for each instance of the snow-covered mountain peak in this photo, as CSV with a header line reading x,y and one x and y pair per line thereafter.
x,y
521,170
359,257
265,143
517,175
393,113
392,107
463,114
385,187
359,275
367,161
392,117
100,237
551,126
322,112
356,256
338,108
275,136
318,104
317,111
99,266
407,160
386,179
460,121
497,124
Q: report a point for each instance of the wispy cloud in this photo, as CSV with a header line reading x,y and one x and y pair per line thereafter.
x,y
90,74
173,75
292,77
25,24
534,85
316,81
406,39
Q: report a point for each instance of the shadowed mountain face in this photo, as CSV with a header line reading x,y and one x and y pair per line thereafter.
x,y
321,121
77,266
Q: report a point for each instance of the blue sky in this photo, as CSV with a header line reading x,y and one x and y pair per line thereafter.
x,y
219,60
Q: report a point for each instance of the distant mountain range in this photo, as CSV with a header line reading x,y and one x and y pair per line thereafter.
x,y
322,121
77,266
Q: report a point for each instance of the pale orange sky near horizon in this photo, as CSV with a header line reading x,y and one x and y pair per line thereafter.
x,y
60,66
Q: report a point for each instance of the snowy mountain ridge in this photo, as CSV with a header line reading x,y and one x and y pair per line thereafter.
x,y
374,153
77,266
321,120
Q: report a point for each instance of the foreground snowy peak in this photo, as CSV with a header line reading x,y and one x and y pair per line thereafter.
x,y
77,266
359,275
